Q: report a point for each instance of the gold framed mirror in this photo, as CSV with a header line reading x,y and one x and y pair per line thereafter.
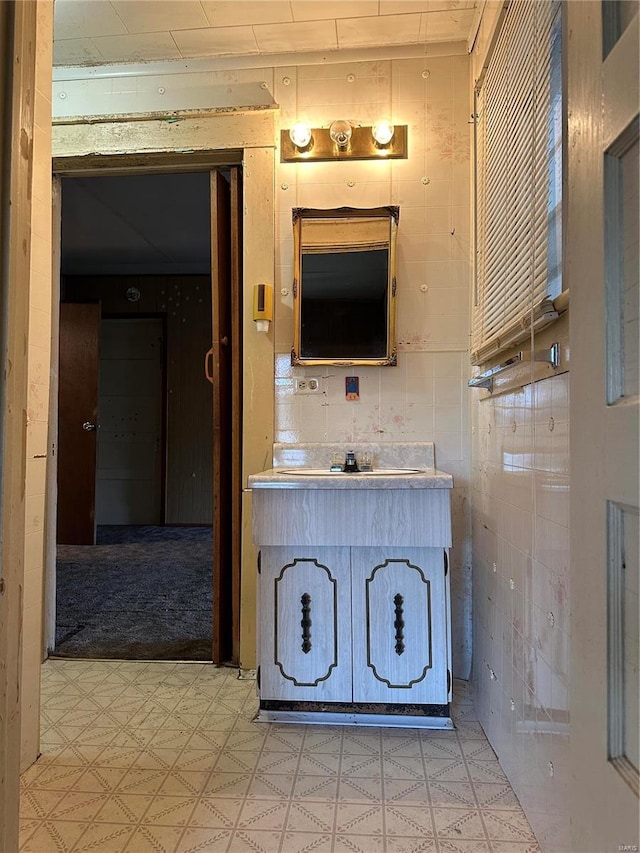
x,y
344,287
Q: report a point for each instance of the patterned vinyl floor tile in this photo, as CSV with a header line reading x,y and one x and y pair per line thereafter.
x,y
143,757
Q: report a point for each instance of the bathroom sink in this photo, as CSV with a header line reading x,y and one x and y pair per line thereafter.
x,y
324,472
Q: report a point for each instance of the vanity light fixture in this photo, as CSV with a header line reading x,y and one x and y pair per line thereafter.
x,y
341,133
382,132
344,140
300,135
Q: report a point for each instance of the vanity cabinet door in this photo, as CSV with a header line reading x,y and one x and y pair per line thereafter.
x,y
305,624
400,637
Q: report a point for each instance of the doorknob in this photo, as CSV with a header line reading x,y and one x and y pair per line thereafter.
x,y
88,426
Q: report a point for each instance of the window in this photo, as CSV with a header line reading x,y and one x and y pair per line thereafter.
x,y
518,179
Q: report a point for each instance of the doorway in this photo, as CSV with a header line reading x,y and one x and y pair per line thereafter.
x,y
139,247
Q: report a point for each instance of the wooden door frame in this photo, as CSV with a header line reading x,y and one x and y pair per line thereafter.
x,y
124,165
149,142
154,315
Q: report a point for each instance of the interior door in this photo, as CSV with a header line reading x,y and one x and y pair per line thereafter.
x,y
226,350
602,268
78,422
129,487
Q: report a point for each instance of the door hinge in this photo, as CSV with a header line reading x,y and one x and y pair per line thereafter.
x,y
258,677
448,681
446,564
393,286
295,288
259,561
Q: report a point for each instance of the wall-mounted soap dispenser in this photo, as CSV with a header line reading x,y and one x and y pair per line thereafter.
x,y
262,306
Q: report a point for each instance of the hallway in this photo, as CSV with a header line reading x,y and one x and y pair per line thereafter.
x,y
164,757
141,593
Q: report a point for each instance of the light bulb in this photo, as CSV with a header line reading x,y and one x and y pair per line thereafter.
x,y
340,133
300,135
382,132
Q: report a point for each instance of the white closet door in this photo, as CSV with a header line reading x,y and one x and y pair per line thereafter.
x,y
602,275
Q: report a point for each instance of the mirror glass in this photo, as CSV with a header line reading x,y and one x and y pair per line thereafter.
x,y
344,286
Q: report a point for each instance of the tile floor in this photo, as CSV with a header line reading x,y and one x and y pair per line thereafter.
x,y
164,757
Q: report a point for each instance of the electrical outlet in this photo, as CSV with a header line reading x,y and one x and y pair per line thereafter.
x,y
308,385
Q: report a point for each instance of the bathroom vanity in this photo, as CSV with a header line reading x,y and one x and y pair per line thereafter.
x,y
353,608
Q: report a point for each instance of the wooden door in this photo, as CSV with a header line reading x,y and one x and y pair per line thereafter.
x,y
226,389
78,422
236,406
601,241
400,639
129,487
305,624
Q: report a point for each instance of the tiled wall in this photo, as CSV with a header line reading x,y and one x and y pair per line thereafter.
x,y
39,355
424,398
520,509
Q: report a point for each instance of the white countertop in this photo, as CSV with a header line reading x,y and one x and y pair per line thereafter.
x,y
277,478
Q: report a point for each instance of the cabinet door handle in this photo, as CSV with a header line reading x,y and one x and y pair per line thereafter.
x,y
305,622
398,623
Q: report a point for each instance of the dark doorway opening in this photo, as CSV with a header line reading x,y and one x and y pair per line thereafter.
x,y
138,248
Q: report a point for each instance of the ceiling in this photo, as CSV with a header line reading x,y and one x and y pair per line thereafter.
x,y
99,32
136,225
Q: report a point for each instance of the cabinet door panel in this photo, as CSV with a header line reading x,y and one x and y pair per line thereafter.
x,y
400,634
305,625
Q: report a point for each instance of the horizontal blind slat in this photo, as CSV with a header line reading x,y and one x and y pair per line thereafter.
x,y
518,167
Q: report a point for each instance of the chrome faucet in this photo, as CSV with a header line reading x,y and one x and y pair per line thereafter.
x,y
350,463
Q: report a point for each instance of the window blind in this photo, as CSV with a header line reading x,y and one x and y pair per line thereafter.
x,y
518,178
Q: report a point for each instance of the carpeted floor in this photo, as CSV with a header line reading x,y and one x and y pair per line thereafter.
x,y
141,593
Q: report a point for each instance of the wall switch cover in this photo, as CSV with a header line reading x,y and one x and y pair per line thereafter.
x,y
352,387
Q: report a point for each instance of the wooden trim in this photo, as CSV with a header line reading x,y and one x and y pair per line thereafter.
x,y
162,115
157,135
89,165
18,28
51,500
390,210
236,406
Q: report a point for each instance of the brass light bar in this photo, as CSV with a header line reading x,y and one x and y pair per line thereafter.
x,y
362,146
